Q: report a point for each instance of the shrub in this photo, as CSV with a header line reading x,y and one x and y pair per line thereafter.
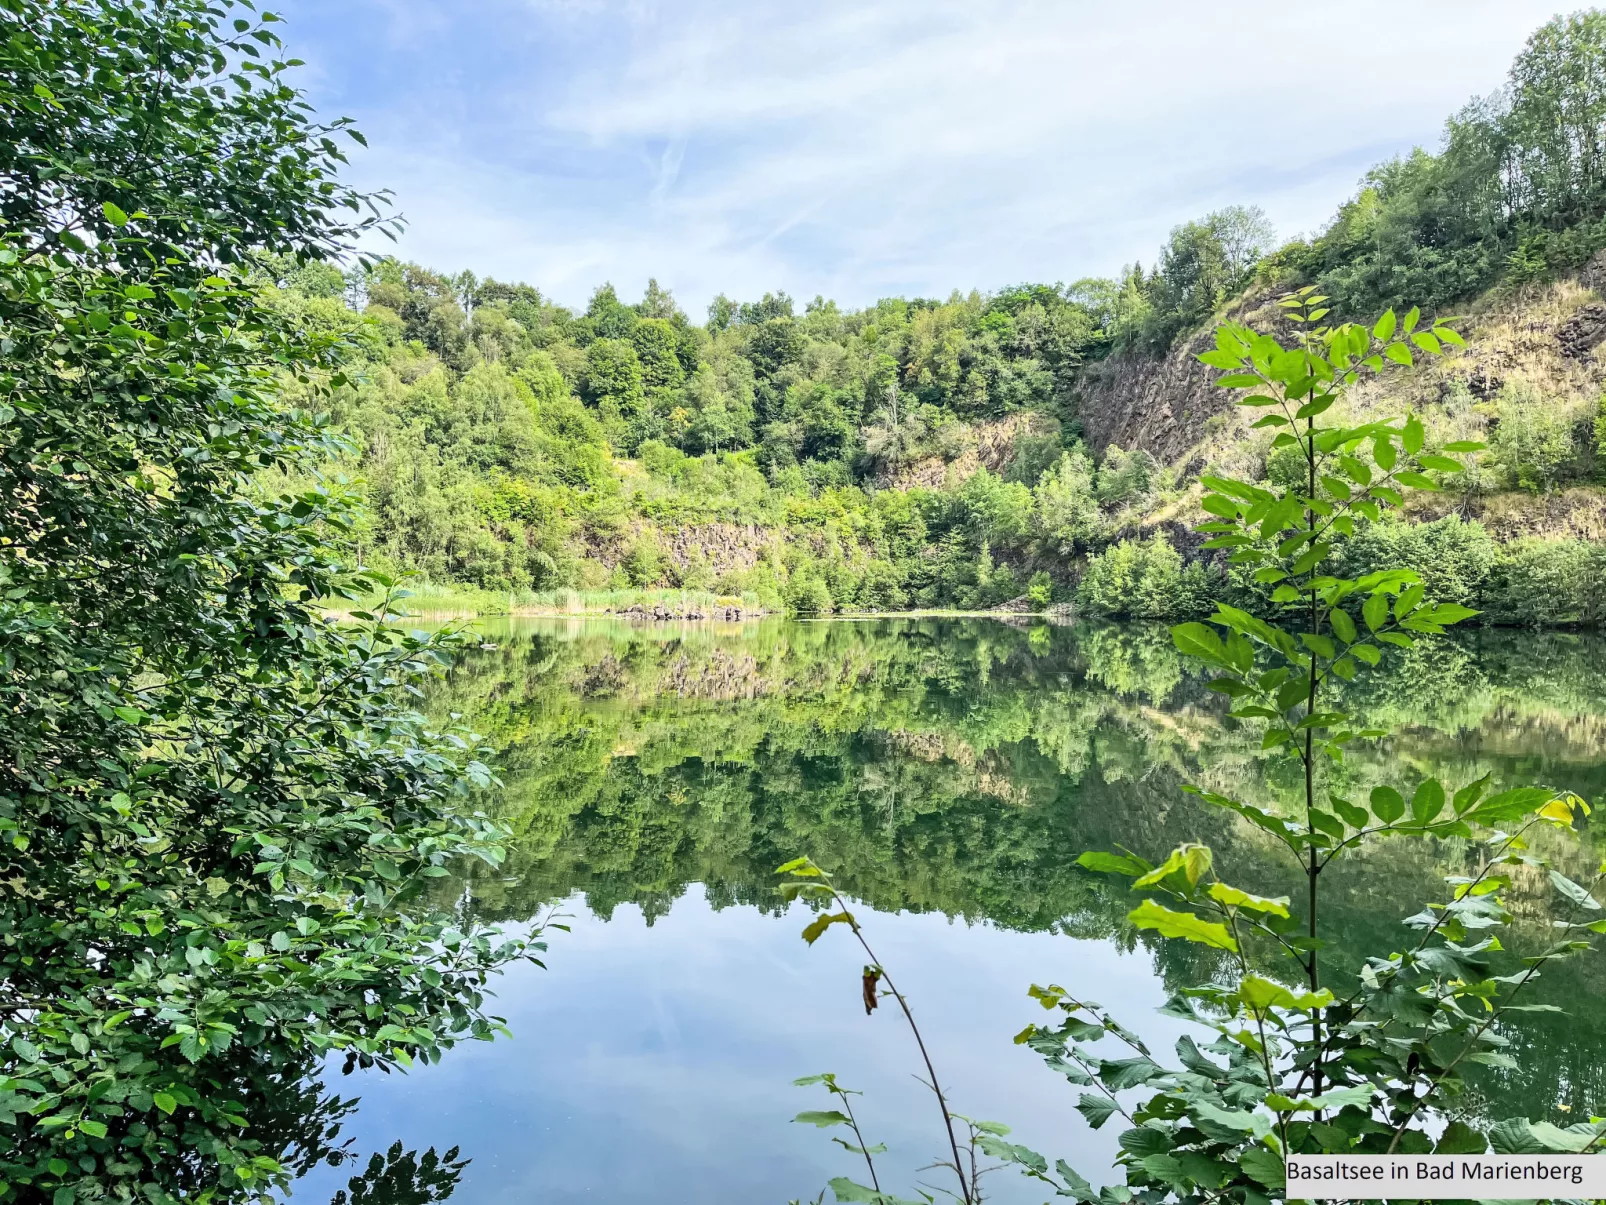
x,y
1547,583
1144,579
807,594
1535,443
1454,557
1067,509
1125,476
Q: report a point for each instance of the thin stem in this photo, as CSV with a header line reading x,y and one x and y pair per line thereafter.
x,y
1312,969
925,1056
864,1147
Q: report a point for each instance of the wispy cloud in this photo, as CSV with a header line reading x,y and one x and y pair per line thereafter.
x,y
858,149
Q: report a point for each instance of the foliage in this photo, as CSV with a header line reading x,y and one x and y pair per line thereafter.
x,y
1531,583
1517,188
1536,441
1380,1063
1144,579
509,443
218,808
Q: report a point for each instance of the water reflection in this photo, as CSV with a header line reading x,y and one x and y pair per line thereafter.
x,y
947,771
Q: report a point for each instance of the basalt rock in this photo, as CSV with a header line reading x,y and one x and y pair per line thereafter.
x,y
1583,332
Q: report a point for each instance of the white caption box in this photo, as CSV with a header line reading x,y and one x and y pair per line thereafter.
x,y
1445,1177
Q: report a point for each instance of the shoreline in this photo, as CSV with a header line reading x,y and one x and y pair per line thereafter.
x,y
1050,615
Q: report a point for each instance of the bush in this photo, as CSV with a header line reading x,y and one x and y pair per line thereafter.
x,y
1454,557
1144,579
1040,590
807,594
1547,583
1067,509
1535,443
1125,476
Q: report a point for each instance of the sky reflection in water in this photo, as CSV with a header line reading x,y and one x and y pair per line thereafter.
x,y
938,766
655,1063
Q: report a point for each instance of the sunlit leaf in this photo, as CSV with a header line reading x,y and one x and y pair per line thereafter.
x,y
1150,915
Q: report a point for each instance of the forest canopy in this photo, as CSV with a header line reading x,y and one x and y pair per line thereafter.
x,y
929,451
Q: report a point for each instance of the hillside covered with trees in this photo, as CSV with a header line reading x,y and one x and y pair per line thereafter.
x,y
957,452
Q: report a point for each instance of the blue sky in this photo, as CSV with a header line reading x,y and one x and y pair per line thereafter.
x,y
861,148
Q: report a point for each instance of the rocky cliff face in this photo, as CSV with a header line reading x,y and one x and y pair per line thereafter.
x,y
1165,405
1547,341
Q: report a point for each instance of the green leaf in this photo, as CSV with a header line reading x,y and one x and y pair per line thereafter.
x,y
1238,380
1578,895
1442,463
113,214
1411,438
1264,1166
1388,805
1106,863
1510,805
1461,1139
1376,611
1150,915
1428,801
164,1102
1383,331
817,926
1191,861
1232,897
1343,625
1097,1109
1468,795
849,1193
822,1118
1120,1074
1197,640
1353,814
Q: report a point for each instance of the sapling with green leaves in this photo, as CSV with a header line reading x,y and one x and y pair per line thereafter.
x,y
1379,1064
969,1141
1299,1063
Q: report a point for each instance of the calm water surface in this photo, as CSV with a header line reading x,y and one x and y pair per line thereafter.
x,y
950,772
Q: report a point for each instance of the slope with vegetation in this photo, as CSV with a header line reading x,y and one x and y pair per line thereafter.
x,y
1043,439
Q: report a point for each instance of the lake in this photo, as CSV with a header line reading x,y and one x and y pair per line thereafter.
x,y
948,772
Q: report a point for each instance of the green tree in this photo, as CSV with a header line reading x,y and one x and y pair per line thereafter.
x,y
217,809
614,385
655,343
1557,118
1067,509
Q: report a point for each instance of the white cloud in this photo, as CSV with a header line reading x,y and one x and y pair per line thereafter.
x,y
904,146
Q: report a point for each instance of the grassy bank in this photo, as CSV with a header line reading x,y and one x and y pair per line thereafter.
x,y
450,600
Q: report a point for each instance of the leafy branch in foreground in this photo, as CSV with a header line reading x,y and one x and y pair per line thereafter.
x,y
1378,1065
965,1150
219,808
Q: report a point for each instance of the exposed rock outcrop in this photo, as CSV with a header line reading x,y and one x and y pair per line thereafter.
x,y
1583,332
1167,405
